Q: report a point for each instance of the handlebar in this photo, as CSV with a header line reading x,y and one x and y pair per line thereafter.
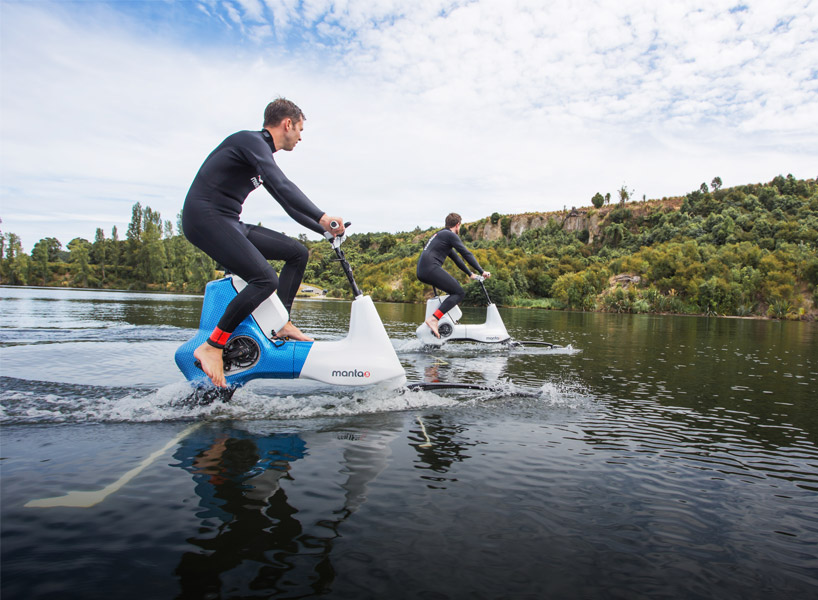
x,y
336,241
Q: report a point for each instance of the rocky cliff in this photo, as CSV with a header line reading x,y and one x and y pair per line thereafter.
x,y
576,219
573,220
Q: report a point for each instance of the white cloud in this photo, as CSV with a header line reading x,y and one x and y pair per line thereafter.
x,y
253,9
414,109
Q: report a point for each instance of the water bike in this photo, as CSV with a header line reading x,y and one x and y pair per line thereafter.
x,y
492,331
364,357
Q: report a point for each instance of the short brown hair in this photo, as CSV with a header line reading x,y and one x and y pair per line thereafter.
x,y
452,219
280,109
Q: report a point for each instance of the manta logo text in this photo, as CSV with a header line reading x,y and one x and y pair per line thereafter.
x,y
352,373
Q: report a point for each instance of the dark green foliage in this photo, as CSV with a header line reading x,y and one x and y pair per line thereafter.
x,y
505,225
598,200
498,290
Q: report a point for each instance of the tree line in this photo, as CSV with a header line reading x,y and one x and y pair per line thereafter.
x,y
748,250
151,257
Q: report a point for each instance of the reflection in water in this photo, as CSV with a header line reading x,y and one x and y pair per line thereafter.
x,y
460,365
246,515
439,446
258,532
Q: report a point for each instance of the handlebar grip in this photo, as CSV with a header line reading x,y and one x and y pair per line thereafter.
x,y
334,224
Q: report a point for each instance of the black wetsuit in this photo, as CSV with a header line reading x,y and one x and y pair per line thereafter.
x,y
210,220
430,266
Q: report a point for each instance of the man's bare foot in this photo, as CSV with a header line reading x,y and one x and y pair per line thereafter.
x,y
294,333
212,363
432,323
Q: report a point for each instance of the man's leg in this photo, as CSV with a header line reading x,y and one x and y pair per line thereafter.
x,y
277,246
262,280
443,281
225,240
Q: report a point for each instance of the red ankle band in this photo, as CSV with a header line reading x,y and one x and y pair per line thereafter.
x,y
438,314
218,338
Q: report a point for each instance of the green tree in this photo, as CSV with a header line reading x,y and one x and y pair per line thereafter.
x,y
624,194
80,250
53,248
579,290
17,263
598,200
99,251
202,269
387,242
152,256
133,236
39,258
114,251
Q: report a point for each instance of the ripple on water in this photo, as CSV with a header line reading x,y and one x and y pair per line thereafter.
x,y
27,401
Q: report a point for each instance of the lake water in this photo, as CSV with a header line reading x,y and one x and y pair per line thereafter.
x,y
650,457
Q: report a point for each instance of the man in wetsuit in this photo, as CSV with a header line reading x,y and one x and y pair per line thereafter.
x,y
446,242
210,220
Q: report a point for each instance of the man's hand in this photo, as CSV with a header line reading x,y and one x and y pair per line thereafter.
x,y
486,274
327,223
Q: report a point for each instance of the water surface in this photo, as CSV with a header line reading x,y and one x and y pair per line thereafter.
x,y
650,457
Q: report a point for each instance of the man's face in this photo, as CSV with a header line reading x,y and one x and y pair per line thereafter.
x,y
292,133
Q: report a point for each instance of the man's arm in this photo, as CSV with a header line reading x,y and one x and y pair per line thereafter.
x,y
294,202
304,220
461,248
459,262
288,195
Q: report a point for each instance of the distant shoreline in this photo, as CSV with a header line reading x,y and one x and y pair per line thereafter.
x,y
807,318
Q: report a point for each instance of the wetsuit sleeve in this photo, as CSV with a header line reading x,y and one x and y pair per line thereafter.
x,y
289,196
305,220
458,245
459,261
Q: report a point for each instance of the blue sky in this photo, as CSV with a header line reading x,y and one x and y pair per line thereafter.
x,y
414,108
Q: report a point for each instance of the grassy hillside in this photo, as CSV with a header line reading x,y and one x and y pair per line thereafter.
x,y
746,250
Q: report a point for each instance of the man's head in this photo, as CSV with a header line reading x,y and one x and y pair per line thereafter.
x,y
280,109
452,220
285,122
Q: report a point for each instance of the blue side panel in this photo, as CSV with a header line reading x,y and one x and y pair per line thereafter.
x,y
218,294
302,349
276,361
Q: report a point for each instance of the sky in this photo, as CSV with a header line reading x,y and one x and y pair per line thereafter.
x,y
415,108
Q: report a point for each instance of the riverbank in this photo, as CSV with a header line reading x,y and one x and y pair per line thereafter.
x,y
311,292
